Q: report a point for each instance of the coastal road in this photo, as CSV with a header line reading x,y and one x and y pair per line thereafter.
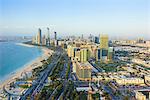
x,y
62,74
39,83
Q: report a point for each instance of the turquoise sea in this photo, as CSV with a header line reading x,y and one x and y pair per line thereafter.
x,y
13,57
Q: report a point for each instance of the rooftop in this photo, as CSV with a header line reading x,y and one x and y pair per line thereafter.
x,y
85,65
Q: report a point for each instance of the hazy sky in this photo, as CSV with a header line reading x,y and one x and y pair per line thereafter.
x,y
126,18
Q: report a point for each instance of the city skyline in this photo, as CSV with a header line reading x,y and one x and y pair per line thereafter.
x,y
74,50
128,19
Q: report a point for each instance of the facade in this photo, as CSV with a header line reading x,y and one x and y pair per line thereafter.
x,y
84,55
48,38
104,54
74,66
44,40
83,71
55,39
140,96
55,43
147,78
77,54
33,40
70,50
140,40
36,39
55,35
124,81
110,53
96,40
98,54
94,52
101,54
39,37
84,51
103,41
140,61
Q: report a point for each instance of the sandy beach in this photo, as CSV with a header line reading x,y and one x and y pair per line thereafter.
x,y
27,67
22,44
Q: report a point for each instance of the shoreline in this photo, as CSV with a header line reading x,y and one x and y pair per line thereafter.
x,y
26,45
27,67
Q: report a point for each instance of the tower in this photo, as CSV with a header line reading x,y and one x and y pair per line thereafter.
x,y
39,37
104,41
43,40
84,55
48,38
55,35
103,47
82,37
110,53
55,40
96,39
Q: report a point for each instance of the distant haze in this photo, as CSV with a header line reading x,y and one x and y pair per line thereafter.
x,y
117,18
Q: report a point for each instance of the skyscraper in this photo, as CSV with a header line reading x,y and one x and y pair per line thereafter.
x,y
55,35
104,41
84,55
102,52
55,39
70,51
98,55
39,37
77,54
82,37
44,40
48,38
91,38
96,40
110,53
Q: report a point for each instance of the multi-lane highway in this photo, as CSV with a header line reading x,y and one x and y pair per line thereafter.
x,y
38,84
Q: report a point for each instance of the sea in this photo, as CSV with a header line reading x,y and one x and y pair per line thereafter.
x,y
14,57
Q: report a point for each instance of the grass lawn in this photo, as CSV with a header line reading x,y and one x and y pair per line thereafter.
x,y
24,86
110,66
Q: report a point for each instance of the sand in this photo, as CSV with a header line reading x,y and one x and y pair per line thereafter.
x,y
28,67
22,44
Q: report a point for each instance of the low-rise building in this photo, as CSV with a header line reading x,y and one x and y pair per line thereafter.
x,y
147,78
139,61
125,81
143,94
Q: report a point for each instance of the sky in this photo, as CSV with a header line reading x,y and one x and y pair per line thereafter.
x,y
117,18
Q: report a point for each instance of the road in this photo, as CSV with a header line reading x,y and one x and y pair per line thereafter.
x,y
39,83
63,75
109,91
96,67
